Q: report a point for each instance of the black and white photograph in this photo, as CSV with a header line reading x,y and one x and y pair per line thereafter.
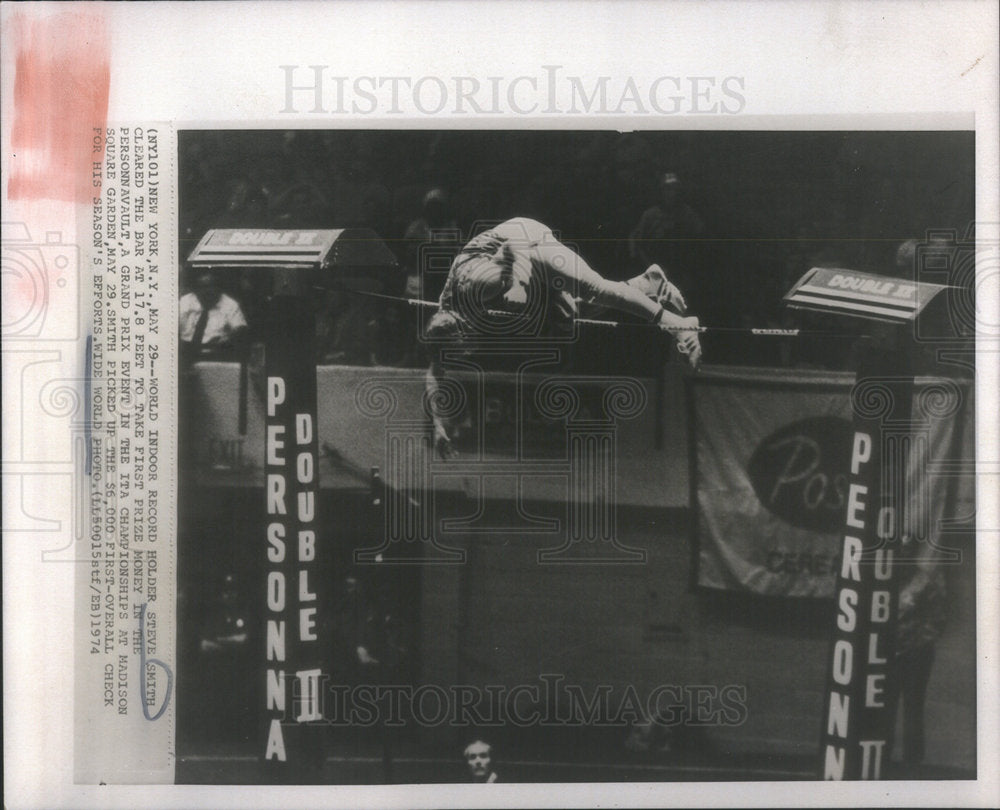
x,y
425,403
575,456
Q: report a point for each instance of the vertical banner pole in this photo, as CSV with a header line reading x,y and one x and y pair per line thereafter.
x,y
293,551
293,748
861,692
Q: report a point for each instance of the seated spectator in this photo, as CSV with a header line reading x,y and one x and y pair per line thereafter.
x,y
226,625
923,612
359,198
300,205
435,226
395,336
245,208
211,323
345,327
479,759
661,235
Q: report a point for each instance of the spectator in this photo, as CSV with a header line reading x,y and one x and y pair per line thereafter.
x,y
226,649
211,322
435,226
663,230
479,759
922,615
345,327
226,625
394,337
632,178
365,632
246,207
360,199
301,205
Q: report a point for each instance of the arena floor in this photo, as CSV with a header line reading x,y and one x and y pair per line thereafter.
x,y
413,764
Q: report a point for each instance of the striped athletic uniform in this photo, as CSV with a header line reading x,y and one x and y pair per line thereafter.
x,y
519,266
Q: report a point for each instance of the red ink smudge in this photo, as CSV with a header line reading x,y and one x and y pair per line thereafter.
x,y
61,86
24,299
25,293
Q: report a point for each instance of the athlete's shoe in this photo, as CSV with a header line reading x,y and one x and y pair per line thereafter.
x,y
654,284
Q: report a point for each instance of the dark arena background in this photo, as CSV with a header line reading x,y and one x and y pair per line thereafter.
x,y
684,632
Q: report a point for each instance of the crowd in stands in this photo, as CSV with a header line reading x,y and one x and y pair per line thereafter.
x,y
735,218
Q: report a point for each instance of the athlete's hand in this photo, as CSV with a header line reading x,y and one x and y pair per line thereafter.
x,y
689,344
685,332
442,444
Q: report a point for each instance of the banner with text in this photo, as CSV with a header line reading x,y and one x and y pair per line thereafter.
x,y
770,483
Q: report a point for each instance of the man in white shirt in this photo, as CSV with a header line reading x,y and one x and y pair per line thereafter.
x,y
209,319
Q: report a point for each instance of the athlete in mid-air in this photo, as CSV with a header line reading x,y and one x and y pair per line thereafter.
x,y
517,278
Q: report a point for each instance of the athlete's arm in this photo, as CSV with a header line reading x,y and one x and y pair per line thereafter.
x,y
442,441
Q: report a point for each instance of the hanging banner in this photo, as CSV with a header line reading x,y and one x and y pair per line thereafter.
x,y
770,476
770,455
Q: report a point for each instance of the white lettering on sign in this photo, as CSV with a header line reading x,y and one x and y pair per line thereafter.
x,y
880,607
855,505
309,708
843,661
281,591
307,624
273,238
305,595
275,742
801,467
276,541
307,545
275,640
847,617
303,428
873,690
833,767
276,690
276,494
871,758
275,444
873,656
866,285
850,565
275,394
883,564
862,611
836,722
276,591
862,451
886,526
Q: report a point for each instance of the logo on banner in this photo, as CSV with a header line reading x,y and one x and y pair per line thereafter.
x,y
265,238
799,472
